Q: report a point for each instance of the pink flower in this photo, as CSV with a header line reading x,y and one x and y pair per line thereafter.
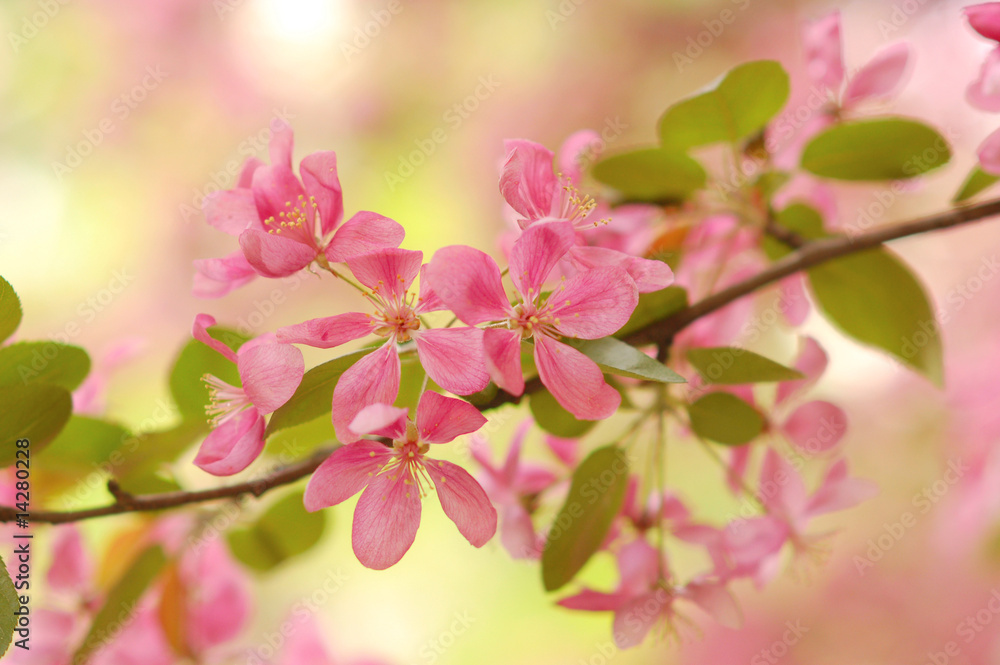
x,y
395,479
72,575
538,194
984,92
591,305
643,598
219,598
452,357
305,645
269,373
285,223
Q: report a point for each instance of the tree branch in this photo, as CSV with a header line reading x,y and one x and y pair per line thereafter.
x,y
659,332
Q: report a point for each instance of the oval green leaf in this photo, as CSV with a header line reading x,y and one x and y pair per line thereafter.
x,y
283,531
36,412
595,496
62,365
554,419
725,418
876,149
977,181
616,357
725,365
10,310
653,307
873,297
652,174
9,608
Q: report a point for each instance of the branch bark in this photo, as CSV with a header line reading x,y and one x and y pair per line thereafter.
x,y
659,332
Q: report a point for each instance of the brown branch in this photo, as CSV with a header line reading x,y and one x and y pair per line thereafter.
x,y
785,235
659,332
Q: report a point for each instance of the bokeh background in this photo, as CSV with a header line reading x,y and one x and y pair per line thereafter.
x,y
119,116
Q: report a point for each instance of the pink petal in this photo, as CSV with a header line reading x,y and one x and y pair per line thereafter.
x,y
442,419
739,458
274,187
72,574
305,643
824,51
319,175
527,182
231,211
232,446
753,544
815,427
327,332
984,92
574,380
812,362
363,233
985,19
638,566
594,601
245,178
578,151
372,380
794,300
593,304
381,420
270,374
139,641
517,533
536,253
714,598
453,358
502,350
275,256
388,271
636,617
781,488
567,450
464,501
221,604
429,301
881,76
648,274
344,473
989,153
279,148
202,323
468,282
386,519
512,462
838,491
215,278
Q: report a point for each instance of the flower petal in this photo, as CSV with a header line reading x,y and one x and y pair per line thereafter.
x,y
202,323
231,211
386,520
839,491
372,380
344,473
273,255
274,187
649,274
824,51
380,420
594,303
279,148
881,76
270,373
527,182
716,600
985,19
222,605
781,488
363,233
577,151
637,616
503,358
536,253
327,332
594,601
441,419
989,153
464,501
429,301
453,358
72,575
812,362
816,426
468,282
245,179
232,446
984,92
215,278
574,380
388,271
517,533
319,175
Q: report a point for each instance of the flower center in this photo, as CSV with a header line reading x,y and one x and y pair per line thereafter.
x,y
529,319
576,207
226,401
395,316
409,461
299,222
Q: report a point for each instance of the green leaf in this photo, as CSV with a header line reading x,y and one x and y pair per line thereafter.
x,y
9,606
770,182
85,442
145,454
873,297
651,174
741,105
121,603
554,419
876,149
196,360
725,418
800,218
62,365
732,365
283,531
595,496
653,307
36,412
314,396
977,181
614,356
10,310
